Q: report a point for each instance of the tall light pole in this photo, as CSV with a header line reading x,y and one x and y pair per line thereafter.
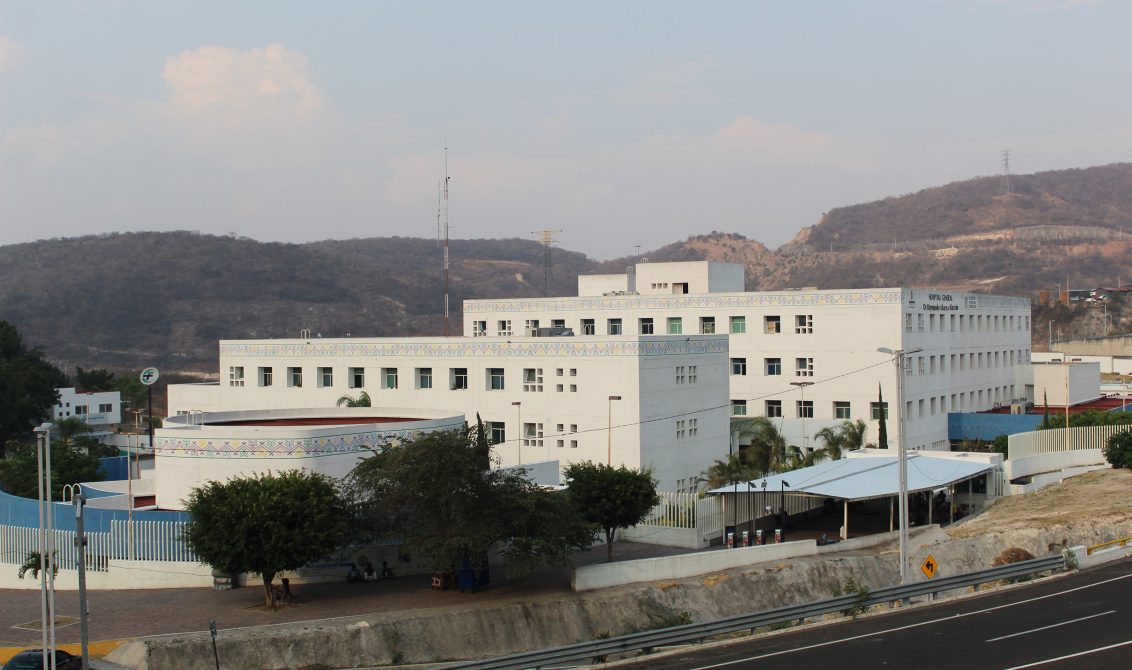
x,y
1049,345
802,411
609,432
42,436
519,413
902,453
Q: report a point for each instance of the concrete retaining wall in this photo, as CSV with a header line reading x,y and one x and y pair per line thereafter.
x,y
1041,463
122,575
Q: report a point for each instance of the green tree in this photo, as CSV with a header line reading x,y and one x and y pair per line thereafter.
x,y
611,497
27,386
735,469
439,495
362,400
1118,450
761,444
845,436
94,381
265,524
19,471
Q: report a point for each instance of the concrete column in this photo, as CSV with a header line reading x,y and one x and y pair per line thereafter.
x,y
845,528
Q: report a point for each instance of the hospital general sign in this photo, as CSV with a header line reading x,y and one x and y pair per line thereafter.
x,y
940,302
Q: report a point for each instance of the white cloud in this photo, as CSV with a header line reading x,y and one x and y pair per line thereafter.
x,y
11,54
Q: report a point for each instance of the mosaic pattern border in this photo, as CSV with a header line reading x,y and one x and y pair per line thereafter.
x,y
469,347
327,445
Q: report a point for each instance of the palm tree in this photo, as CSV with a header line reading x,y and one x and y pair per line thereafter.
x,y
348,401
734,470
32,564
767,449
846,436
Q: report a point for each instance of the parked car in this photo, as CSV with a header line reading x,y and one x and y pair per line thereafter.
x,y
32,659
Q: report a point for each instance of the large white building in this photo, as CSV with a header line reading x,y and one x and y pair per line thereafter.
x,y
658,402
102,410
805,357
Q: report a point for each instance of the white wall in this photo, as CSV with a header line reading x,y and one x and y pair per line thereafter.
x,y
70,401
1052,379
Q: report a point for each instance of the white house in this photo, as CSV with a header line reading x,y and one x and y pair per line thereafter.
x,y
805,357
102,411
658,402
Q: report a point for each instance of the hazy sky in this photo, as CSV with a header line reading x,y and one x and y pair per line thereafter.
x,y
620,123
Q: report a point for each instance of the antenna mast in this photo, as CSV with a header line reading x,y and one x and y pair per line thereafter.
x,y
547,242
442,231
1007,184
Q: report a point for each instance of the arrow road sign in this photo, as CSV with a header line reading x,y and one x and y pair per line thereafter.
x,y
930,566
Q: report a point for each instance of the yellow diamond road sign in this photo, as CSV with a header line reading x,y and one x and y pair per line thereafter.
x,y
930,566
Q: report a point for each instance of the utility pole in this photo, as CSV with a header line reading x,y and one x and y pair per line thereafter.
x,y
1007,184
899,357
442,232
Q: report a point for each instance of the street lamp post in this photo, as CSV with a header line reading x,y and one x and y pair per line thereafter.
x,y
802,411
519,417
898,356
1049,342
782,484
609,432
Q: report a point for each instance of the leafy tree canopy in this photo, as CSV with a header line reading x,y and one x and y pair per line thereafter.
x,y
1088,418
1118,450
19,470
438,494
611,497
266,524
27,385
94,381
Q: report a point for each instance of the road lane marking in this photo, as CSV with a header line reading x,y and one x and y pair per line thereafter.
x,y
910,626
1062,658
1063,623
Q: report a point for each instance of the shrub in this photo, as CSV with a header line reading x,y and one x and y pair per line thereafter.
x,y
1118,450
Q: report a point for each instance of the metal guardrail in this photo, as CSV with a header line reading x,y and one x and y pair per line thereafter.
x,y
586,652
1121,542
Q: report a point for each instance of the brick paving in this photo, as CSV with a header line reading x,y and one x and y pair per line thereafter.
x,y
122,614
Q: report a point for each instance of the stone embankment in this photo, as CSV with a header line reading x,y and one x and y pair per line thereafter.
x,y
492,629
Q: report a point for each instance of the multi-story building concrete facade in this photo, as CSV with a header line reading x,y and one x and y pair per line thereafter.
x,y
658,402
102,411
806,358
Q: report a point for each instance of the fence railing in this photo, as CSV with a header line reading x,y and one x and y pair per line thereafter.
x,y
587,652
150,541
1055,440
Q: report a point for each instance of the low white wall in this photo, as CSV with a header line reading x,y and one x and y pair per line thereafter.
x,y
666,536
1052,462
1043,480
121,575
605,575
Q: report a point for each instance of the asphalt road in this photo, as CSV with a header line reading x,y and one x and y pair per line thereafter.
x,y
1083,621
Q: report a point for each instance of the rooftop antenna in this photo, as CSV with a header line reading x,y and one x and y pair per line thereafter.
x,y
442,230
1007,184
547,242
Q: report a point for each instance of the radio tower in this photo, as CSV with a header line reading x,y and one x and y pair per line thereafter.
x,y
442,231
1007,184
547,242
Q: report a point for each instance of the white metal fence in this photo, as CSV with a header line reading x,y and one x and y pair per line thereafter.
x,y
711,513
1056,440
150,541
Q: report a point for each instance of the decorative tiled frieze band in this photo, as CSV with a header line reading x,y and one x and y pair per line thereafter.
x,y
227,447
708,301
459,348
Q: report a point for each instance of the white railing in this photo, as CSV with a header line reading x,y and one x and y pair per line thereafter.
x,y
1056,440
150,540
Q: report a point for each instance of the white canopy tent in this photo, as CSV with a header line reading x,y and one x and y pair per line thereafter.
x,y
867,477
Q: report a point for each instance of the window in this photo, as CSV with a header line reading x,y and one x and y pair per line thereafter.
x,y
560,443
920,365
773,366
692,376
588,327
424,378
295,377
558,323
479,328
573,444
498,432
530,326
875,409
105,408
265,376
532,379
803,367
693,427
532,434
503,327
645,326
679,374
738,407
495,379
774,408
675,325
573,388
841,409
738,366
738,324
707,325
236,375
920,322
772,324
388,378
804,409
325,377
459,379
81,410
803,324
613,326
907,322
681,429
357,377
